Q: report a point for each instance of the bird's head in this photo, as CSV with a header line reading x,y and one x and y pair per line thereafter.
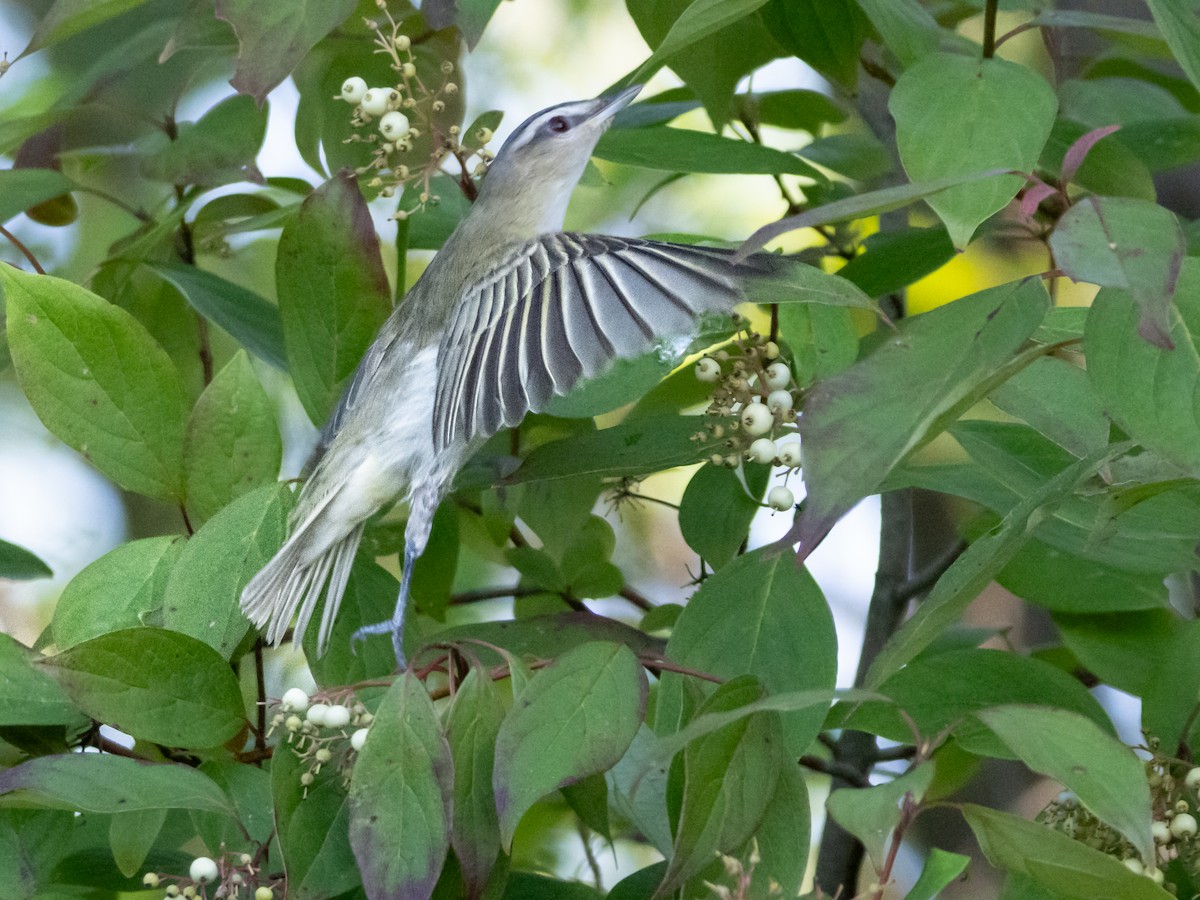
x,y
530,181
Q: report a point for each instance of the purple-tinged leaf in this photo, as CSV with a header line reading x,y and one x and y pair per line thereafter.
x,y
1033,196
273,37
1079,150
1122,242
401,796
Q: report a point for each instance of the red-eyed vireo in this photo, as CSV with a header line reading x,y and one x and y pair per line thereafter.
x,y
511,311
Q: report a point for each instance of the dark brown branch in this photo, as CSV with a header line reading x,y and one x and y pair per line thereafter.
x,y
989,28
25,251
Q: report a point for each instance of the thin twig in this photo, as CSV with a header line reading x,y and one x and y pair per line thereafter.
x,y
25,251
636,598
989,28
260,736
928,577
835,769
590,856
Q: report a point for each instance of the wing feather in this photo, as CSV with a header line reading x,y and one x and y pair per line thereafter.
x,y
563,307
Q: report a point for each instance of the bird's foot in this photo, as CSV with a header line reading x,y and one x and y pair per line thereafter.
x,y
389,626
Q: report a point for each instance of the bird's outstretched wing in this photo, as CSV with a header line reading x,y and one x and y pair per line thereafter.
x,y
562,308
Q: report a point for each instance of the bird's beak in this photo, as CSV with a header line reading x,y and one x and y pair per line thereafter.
x,y
611,104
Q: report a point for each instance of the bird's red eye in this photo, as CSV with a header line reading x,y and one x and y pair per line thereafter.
x,y
559,124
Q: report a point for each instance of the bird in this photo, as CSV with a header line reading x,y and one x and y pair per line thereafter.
x,y
511,311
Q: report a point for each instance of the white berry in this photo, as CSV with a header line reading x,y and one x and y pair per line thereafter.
x,y
203,870
294,700
781,498
316,713
1193,778
707,369
779,401
1156,876
757,419
358,739
789,454
1184,825
778,376
1133,865
353,90
150,879
761,451
375,101
337,717
393,125
1161,832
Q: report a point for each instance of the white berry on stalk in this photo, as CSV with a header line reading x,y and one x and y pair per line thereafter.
x,y
353,89
358,739
757,419
778,376
337,717
203,870
393,125
761,451
781,498
294,700
316,713
707,369
779,401
375,101
1184,825
789,454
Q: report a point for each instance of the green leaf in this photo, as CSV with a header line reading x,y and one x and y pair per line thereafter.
x,y
871,814
941,868
710,44
131,835
895,259
576,718
801,110
313,830
21,189
641,885
1121,242
730,778
370,597
807,284
683,150
976,568
273,39
625,381
1062,582
67,18
1106,776
232,444
905,27
858,425
1149,391
861,206
1069,868
826,34
637,790
219,148
156,685
473,17
632,448
1179,22
28,696
201,598
98,381
716,510
822,340
782,616
943,691
1174,690
472,725
401,794
102,783
588,799
1110,166
1055,397
116,591
1121,649
784,836
954,115
18,564
333,291
250,319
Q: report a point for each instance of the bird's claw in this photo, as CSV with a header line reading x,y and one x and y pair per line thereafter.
x,y
386,627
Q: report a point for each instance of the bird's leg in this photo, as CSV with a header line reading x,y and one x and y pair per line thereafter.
x,y
394,625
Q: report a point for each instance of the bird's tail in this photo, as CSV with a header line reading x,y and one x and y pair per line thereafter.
x,y
292,582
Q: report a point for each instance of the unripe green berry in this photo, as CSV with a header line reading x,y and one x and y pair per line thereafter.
x,y
403,42
307,779
771,350
408,70
781,498
353,89
324,755
172,890
1156,876
264,893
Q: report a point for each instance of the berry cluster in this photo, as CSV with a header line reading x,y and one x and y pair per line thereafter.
x,y
1175,796
753,403
230,876
323,736
392,117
